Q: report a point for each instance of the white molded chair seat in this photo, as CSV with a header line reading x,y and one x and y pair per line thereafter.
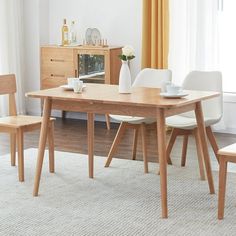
x,y
189,123
133,119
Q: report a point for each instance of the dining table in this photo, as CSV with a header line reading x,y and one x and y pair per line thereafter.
x,y
143,102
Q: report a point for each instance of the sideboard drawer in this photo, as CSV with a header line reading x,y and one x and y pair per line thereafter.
x,y
61,68
56,55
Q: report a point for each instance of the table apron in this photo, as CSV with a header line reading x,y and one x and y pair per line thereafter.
x,y
117,109
179,110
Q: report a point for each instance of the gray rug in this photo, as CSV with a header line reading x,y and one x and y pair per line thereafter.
x,y
121,200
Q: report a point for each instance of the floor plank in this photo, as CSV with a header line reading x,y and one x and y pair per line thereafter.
x,y
71,136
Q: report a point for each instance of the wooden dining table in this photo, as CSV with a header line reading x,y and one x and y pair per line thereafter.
x,y
144,102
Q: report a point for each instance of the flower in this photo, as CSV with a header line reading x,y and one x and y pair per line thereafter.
x,y
127,53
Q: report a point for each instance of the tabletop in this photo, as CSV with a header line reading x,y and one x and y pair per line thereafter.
x,y
108,94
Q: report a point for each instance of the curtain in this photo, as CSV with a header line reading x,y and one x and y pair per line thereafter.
x,y
155,34
193,37
12,48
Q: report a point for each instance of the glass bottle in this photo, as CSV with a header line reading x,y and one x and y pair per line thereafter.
x,y
73,37
65,34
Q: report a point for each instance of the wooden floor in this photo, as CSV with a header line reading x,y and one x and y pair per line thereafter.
x,y
71,136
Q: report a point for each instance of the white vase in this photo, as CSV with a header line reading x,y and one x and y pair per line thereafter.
x,y
124,78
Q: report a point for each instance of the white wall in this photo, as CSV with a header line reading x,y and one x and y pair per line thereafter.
x,y
32,57
119,21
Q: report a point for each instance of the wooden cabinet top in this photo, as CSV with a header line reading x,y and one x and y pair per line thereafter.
x,y
107,48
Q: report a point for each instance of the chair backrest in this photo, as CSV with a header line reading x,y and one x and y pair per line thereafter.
x,y
8,86
152,78
206,81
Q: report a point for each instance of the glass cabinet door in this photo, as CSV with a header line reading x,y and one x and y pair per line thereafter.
x,y
91,68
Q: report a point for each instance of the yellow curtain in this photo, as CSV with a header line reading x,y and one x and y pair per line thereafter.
x,y
155,39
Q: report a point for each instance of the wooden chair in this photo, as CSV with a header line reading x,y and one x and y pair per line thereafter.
x,y
16,125
186,124
152,78
225,155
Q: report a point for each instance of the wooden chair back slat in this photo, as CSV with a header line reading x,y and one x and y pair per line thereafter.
x,y
12,105
8,87
7,84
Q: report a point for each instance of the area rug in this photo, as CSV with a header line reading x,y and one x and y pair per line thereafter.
x,y
120,200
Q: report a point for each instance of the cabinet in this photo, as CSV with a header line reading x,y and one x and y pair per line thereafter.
x,y
92,64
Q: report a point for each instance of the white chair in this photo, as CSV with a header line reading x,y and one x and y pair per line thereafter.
x,y
186,124
152,78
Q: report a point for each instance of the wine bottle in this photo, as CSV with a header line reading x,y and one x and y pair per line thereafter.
x,y
65,32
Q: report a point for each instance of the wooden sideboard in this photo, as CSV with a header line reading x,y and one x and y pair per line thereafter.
x,y
58,63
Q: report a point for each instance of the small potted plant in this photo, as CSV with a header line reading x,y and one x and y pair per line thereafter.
x,y
125,77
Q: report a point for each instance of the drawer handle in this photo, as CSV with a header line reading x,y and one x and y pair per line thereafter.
x,y
57,60
55,75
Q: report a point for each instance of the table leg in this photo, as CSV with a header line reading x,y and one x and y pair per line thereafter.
x,y
202,133
161,139
42,143
90,143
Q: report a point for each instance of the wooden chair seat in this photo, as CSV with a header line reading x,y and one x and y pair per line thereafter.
x,y
228,152
225,155
20,121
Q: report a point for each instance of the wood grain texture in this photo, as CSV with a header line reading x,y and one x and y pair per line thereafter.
x,y
115,143
42,144
20,147
7,84
229,150
212,141
13,148
90,132
202,133
222,187
108,94
144,145
184,150
161,139
135,142
199,154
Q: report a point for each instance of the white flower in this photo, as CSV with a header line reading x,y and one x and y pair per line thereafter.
x,y
128,51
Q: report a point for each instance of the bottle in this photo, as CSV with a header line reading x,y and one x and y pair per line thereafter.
x,y
65,34
73,38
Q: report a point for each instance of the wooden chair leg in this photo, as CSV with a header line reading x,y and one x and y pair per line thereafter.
x,y
13,148
212,141
135,142
51,147
170,144
144,146
63,115
184,150
20,146
108,123
115,143
222,188
199,154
